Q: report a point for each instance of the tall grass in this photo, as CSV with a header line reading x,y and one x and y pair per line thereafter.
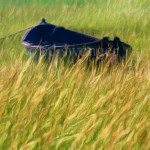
x,y
59,106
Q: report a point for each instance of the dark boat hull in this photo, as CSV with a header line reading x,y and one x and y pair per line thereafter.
x,y
49,39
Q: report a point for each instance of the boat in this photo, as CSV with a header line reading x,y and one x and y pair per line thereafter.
x,y
49,39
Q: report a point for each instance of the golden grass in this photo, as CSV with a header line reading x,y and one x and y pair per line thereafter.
x,y
59,106
69,107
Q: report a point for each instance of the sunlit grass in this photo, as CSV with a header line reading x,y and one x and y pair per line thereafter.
x,y
59,106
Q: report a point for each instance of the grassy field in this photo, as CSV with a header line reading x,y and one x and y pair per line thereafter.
x,y
58,106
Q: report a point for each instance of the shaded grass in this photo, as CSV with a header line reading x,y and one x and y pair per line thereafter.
x,y
60,106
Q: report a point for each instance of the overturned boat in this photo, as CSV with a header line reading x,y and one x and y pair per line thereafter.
x,y
48,39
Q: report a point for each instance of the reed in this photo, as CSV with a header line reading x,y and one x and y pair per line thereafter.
x,y
59,106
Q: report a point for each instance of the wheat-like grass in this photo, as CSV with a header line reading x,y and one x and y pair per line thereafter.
x,y
65,106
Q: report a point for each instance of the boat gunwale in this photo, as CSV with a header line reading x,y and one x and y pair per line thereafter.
x,y
29,45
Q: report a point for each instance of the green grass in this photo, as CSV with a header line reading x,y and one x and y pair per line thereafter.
x,y
60,106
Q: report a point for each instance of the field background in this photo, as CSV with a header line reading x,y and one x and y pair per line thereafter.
x,y
60,106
